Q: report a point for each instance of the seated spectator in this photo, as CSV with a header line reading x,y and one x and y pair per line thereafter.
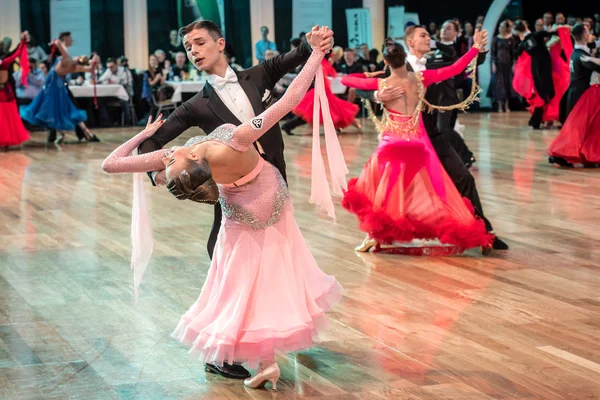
x,y
35,83
162,56
117,75
181,69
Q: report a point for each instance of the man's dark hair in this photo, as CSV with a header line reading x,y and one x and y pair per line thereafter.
x,y
110,60
578,31
63,35
211,27
521,26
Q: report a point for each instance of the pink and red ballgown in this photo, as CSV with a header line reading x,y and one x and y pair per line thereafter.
x,y
12,130
403,192
264,291
579,139
342,112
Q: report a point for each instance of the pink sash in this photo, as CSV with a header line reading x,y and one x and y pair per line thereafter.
x,y
320,194
142,242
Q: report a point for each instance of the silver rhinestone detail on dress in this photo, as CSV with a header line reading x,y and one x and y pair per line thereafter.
x,y
223,133
238,213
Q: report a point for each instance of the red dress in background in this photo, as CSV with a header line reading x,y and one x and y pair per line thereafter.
x,y
12,131
523,78
579,139
343,112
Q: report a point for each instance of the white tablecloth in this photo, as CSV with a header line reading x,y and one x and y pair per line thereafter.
x,y
86,90
185,87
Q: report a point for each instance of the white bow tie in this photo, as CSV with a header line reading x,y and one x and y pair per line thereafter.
x,y
422,61
219,83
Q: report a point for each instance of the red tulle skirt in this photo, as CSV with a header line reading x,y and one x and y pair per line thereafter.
x,y
579,139
343,112
12,131
524,86
404,193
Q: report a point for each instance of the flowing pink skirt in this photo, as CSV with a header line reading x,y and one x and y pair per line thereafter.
x,y
264,293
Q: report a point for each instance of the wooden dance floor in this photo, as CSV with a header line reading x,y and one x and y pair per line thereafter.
x,y
523,324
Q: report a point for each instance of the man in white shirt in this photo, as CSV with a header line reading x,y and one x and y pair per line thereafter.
x,y
116,75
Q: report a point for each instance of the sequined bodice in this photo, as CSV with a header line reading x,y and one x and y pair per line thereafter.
x,y
595,79
258,203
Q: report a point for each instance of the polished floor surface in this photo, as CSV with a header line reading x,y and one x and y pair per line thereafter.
x,y
523,324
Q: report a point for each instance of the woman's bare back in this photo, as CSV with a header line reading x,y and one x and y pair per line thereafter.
x,y
407,103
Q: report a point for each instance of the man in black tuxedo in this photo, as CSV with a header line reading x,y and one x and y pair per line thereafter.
x,y
581,72
418,41
228,97
444,93
541,66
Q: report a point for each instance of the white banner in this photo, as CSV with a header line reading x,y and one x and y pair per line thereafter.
x,y
359,27
395,27
72,16
308,13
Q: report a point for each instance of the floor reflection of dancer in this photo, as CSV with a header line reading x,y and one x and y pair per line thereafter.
x,y
52,108
403,192
12,131
264,291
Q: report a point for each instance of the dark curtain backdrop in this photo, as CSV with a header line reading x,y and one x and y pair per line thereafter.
x,y
35,18
283,22
107,28
238,31
162,18
106,19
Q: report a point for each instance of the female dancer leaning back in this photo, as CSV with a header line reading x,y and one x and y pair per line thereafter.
x,y
264,291
403,193
52,108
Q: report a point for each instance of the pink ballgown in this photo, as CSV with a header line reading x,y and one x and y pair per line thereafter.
x,y
264,291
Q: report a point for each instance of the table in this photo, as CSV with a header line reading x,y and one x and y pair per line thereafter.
x,y
185,87
102,90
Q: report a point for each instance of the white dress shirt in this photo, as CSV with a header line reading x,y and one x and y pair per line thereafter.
x,y
233,96
417,64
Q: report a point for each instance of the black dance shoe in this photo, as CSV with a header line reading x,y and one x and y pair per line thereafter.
x,y
560,162
228,371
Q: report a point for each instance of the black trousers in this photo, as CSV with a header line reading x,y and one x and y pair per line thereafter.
x,y
536,118
279,163
293,123
445,124
460,175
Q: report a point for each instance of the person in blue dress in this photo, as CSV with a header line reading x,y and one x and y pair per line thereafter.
x,y
52,108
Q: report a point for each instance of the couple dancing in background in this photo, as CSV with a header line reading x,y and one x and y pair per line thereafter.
x,y
240,315
403,192
579,139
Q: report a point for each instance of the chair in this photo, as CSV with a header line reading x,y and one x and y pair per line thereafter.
x,y
164,105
